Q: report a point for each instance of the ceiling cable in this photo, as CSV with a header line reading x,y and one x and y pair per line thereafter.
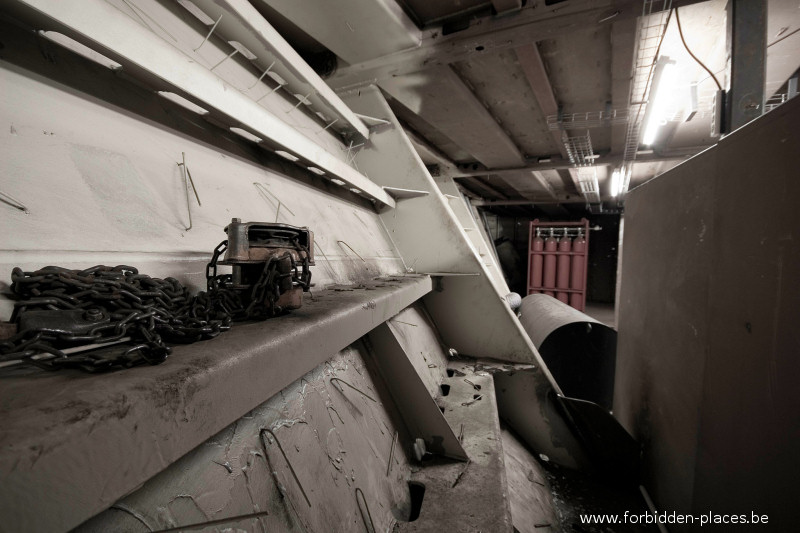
x,y
784,37
680,32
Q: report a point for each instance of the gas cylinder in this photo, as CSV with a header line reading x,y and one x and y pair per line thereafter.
x,y
537,261
577,277
549,277
562,268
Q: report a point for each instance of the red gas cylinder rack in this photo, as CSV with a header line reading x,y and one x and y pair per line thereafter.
x,y
557,260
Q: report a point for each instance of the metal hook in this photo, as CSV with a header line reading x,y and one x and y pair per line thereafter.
x,y
291,469
328,126
214,27
351,155
355,389
235,51
203,525
279,87
351,249
262,76
13,202
262,190
301,101
188,181
391,454
135,9
371,525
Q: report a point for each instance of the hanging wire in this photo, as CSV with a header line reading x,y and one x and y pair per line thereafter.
x,y
784,37
680,32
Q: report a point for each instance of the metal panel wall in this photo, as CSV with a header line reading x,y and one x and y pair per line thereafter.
x,y
708,343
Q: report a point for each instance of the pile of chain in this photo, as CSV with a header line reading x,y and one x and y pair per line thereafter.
x,y
58,308
62,315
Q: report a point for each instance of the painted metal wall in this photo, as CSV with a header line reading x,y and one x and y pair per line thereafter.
x,y
102,185
709,304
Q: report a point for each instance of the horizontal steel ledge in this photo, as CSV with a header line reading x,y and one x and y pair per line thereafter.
x,y
106,29
72,444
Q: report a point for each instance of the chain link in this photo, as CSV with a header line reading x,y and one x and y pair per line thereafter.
x,y
58,309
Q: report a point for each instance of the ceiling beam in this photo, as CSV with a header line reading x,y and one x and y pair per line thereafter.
x,y
623,44
428,152
561,164
354,30
491,203
533,23
537,175
477,182
532,65
504,7
445,102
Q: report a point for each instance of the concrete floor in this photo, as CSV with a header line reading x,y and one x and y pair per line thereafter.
x,y
602,312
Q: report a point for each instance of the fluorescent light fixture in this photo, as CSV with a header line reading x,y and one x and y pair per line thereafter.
x,y
657,103
615,182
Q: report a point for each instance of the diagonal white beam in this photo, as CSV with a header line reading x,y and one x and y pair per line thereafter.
x,y
241,22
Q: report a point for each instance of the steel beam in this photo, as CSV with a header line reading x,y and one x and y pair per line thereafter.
x,y
417,408
142,54
533,23
504,7
561,164
105,436
501,203
530,60
354,30
238,20
452,108
747,47
623,45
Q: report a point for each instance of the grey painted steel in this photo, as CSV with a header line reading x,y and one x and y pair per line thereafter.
x,y
541,315
747,48
530,409
579,351
708,311
143,56
472,496
418,410
102,436
241,471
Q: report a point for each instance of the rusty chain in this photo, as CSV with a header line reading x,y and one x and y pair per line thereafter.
x,y
58,309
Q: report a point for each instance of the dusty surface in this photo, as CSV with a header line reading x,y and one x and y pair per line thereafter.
x,y
91,439
337,441
470,496
532,508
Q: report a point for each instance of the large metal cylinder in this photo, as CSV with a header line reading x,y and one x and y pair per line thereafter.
x,y
549,277
579,351
562,267
578,274
537,261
